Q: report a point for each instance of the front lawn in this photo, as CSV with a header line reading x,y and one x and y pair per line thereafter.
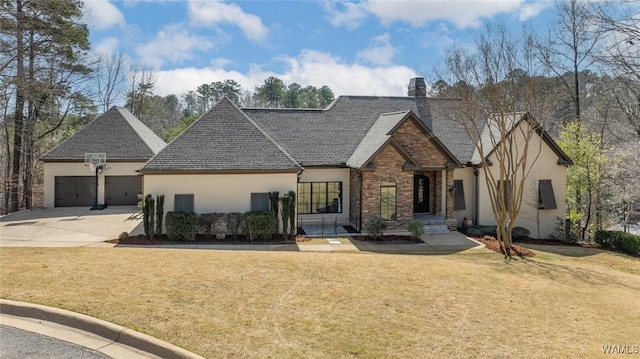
x,y
235,304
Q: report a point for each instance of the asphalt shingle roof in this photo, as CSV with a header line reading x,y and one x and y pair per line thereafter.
x,y
377,136
222,139
330,137
117,133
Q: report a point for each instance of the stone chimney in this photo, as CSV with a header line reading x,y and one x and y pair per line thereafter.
x,y
417,87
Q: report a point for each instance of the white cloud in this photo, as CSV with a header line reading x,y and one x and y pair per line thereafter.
x,y
350,16
106,46
308,68
462,13
210,13
172,44
530,10
381,52
102,14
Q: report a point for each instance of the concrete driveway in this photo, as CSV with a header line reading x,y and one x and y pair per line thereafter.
x,y
67,227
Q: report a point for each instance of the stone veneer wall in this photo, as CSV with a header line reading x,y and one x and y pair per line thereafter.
x,y
354,195
388,164
421,147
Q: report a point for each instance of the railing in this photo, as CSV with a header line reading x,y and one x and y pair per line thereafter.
x,y
327,226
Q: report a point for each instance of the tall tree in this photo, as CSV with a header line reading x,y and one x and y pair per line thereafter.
x,y
45,43
271,92
109,74
498,114
140,83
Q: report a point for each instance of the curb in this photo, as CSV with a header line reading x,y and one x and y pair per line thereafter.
x,y
107,330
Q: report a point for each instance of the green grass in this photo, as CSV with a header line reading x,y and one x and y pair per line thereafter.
x,y
566,303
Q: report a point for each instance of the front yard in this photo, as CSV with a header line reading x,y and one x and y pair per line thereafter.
x,y
236,304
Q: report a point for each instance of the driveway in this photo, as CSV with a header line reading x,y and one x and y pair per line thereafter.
x,y
67,227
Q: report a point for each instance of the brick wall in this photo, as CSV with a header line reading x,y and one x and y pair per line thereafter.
x,y
389,164
419,146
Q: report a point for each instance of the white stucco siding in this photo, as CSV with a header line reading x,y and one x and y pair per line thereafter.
x,y
217,192
545,167
53,169
469,185
329,175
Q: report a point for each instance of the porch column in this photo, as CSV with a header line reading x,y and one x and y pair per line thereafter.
x,y
443,194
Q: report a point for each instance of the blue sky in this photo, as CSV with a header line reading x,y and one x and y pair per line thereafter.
x,y
356,48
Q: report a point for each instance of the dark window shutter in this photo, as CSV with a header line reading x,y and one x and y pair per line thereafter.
x,y
547,196
183,202
260,202
458,197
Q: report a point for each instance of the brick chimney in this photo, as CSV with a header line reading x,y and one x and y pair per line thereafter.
x,y
417,87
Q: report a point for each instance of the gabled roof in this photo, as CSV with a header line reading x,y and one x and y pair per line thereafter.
x,y
223,139
116,132
491,134
381,133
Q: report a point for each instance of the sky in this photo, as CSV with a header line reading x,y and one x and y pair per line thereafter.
x,y
356,48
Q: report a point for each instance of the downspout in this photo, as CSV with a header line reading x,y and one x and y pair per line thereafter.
x,y
360,203
476,195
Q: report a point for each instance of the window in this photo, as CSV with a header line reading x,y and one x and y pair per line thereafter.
x,y
458,195
388,200
319,197
183,202
260,202
546,197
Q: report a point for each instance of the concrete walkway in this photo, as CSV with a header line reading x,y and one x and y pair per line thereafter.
x,y
110,339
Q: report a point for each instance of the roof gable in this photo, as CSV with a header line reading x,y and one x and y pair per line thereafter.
x,y
223,139
116,132
381,134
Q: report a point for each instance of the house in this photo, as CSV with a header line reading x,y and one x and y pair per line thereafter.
x,y
397,158
127,143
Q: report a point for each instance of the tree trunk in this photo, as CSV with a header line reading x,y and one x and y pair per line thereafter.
x,y
18,119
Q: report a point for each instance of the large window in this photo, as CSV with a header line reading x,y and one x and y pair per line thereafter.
x,y
319,197
388,200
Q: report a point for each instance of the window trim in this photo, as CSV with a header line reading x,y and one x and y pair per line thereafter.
x,y
328,200
395,198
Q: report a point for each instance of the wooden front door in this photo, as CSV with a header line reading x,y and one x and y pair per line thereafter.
x,y
420,194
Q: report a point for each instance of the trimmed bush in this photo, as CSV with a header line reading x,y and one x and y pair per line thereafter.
x,y
475,232
626,242
416,229
520,233
159,214
260,225
181,226
234,222
375,227
207,223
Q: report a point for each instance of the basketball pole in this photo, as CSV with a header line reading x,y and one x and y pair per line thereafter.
x,y
96,205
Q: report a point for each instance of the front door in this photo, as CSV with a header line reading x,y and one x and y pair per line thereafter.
x,y
420,194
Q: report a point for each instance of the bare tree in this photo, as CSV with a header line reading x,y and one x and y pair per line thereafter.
x,y
500,103
139,87
109,79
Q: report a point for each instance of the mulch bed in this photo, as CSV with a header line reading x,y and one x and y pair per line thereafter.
x,y
395,239
516,250
142,240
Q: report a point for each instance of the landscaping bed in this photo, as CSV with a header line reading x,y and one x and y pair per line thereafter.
x,y
200,239
516,250
395,239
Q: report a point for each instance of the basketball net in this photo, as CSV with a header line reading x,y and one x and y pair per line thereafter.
x,y
93,166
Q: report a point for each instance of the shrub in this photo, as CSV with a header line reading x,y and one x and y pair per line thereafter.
x,y
260,225
159,214
181,226
416,229
475,232
123,236
626,242
520,233
375,227
234,222
207,222
560,232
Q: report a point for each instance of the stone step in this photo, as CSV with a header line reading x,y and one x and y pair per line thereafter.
x,y
436,228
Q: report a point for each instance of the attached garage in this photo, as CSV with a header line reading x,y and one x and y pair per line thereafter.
x,y
75,191
122,190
